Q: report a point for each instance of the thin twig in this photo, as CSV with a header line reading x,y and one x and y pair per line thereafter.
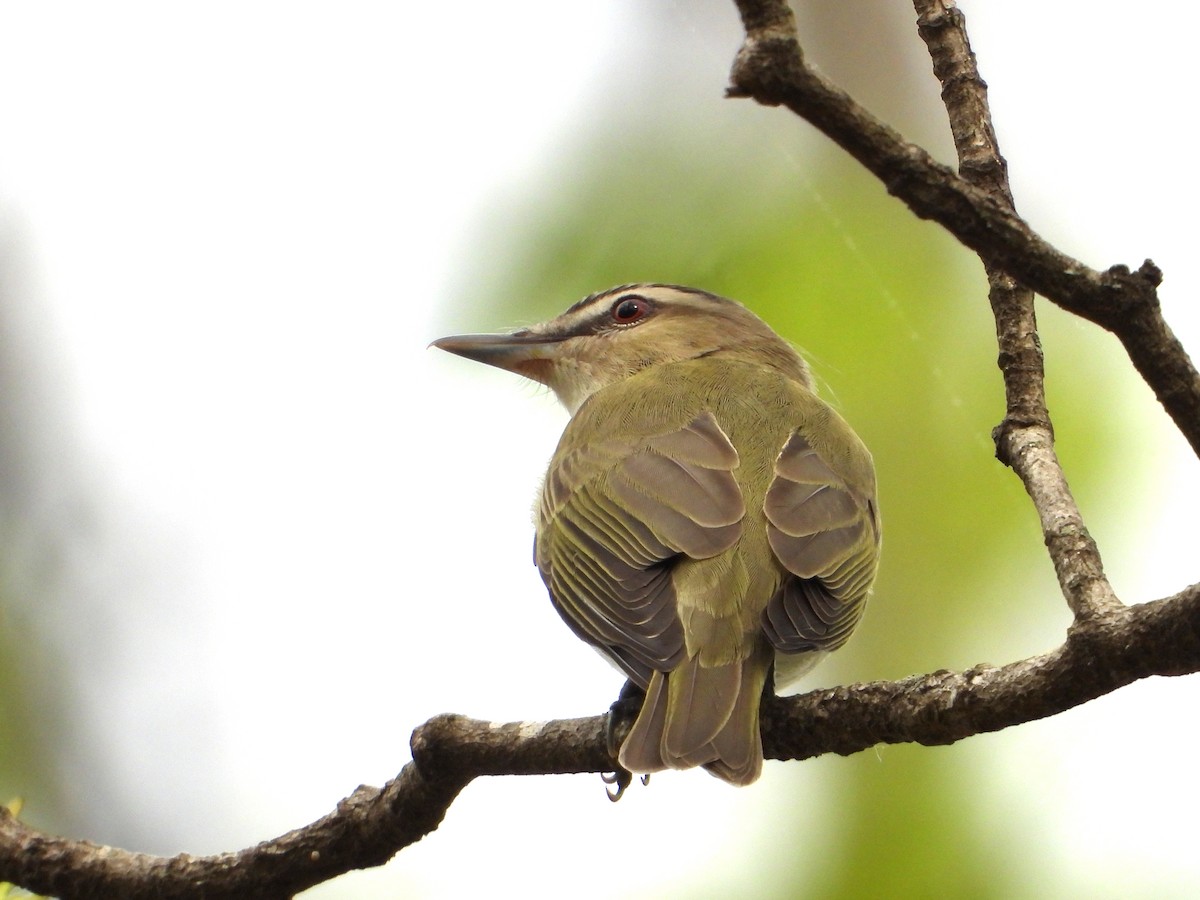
x,y
1025,439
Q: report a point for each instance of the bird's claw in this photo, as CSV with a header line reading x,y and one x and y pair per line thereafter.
x,y
621,779
622,712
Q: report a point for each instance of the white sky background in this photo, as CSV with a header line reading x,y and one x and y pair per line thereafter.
x,y
239,225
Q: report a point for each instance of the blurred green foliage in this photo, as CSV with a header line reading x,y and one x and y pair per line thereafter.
x,y
893,315
25,761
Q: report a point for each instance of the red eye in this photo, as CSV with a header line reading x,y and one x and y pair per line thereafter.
x,y
629,309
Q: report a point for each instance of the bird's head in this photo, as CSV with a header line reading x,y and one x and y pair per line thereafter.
x,y
611,335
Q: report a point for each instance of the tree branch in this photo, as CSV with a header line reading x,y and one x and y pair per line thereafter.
x,y
1025,439
373,824
1108,646
366,829
770,68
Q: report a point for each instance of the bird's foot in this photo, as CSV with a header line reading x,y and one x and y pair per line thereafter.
x,y
620,719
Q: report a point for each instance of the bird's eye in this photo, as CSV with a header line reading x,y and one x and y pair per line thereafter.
x,y
629,309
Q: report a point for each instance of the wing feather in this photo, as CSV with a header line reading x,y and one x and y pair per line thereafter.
x,y
824,531
614,516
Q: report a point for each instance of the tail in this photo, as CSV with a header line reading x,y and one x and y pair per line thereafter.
x,y
705,716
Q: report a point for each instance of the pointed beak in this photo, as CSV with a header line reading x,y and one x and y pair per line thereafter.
x,y
524,353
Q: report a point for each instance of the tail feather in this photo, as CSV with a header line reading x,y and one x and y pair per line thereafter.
x,y
701,716
740,761
642,749
700,700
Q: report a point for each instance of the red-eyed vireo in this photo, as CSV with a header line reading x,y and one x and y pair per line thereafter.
x,y
705,517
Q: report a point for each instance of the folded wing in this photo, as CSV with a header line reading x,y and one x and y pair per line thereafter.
x,y
614,515
826,534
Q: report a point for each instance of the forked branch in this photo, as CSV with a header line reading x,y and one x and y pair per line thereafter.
x,y
770,68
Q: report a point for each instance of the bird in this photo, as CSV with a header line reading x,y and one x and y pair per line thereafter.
x,y
707,522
